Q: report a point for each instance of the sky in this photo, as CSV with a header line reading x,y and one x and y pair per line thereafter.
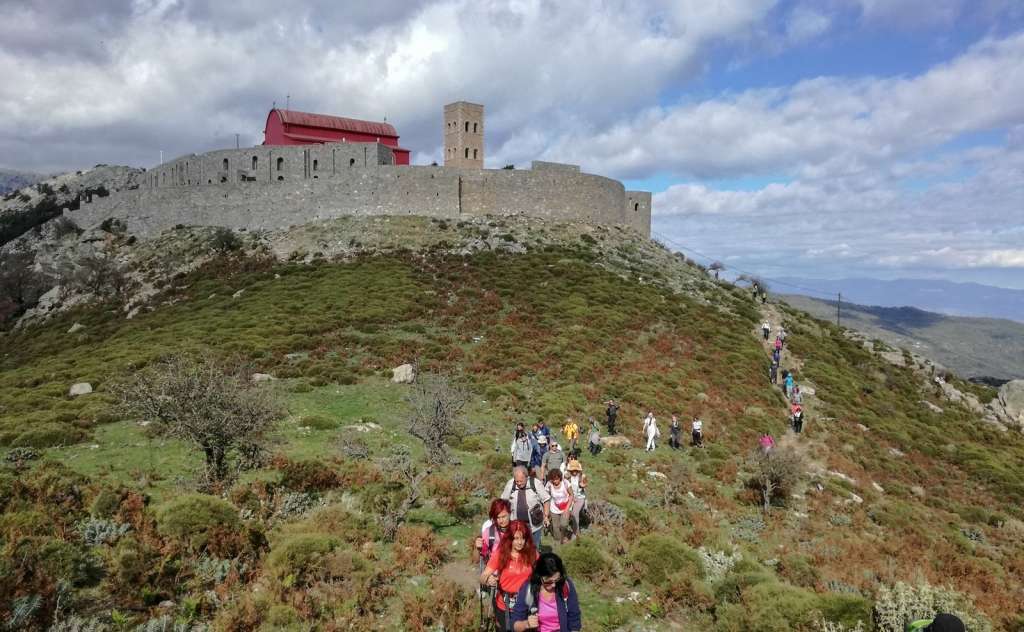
x,y
824,139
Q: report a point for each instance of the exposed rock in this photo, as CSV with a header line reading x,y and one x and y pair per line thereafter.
x,y
863,428
843,477
878,488
932,407
405,374
894,357
702,397
80,388
805,389
76,328
854,498
917,490
1011,399
263,377
367,426
657,475
896,452
616,441
238,293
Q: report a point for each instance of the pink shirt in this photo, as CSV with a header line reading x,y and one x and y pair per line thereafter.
x,y
547,613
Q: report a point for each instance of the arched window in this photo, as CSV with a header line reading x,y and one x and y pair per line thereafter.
x,y
467,126
254,162
225,164
316,165
351,162
467,152
280,164
636,207
474,128
474,154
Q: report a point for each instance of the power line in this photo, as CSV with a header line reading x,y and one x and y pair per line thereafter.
x,y
712,259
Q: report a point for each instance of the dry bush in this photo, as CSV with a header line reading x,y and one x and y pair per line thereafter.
x,y
776,473
437,403
418,549
200,401
445,607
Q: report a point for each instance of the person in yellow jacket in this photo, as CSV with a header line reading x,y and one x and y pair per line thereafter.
x,y
571,432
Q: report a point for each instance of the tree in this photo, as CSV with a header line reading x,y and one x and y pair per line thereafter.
x,y
776,473
101,275
200,401
21,285
436,403
393,509
715,267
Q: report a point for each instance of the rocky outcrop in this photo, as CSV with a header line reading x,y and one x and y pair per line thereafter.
x,y
404,374
1008,406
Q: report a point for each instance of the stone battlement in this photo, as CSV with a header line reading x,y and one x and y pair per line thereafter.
x,y
274,187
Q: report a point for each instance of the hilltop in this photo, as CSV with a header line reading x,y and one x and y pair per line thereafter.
x,y
973,347
905,498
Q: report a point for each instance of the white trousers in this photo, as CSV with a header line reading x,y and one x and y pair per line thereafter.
x,y
650,442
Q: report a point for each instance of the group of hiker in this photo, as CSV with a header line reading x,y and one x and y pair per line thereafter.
x,y
789,385
651,432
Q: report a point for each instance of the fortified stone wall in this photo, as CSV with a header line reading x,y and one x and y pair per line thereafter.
x,y
277,187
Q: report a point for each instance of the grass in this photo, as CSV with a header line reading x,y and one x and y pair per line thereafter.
x,y
535,336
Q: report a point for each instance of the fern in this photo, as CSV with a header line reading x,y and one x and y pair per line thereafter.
x,y
76,623
22,611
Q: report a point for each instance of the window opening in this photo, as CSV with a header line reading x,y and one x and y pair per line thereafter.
x,y
280,165
254,163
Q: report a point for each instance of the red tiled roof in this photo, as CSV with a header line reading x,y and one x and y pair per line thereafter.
x,y
308,119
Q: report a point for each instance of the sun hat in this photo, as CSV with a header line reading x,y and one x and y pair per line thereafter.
x,y
574,466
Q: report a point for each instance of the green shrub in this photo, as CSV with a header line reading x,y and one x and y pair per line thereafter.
x,y
106,503
902,603
15,524
193,518
301,386
299,560
281,618
658,557
319,422
584,558
68,562
799,570
49,435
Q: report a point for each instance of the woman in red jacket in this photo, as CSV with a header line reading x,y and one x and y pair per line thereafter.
x,y
509,568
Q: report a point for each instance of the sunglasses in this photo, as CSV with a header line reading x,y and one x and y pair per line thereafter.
x,y
550,581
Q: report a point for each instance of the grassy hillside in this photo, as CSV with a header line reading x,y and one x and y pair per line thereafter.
x,y
891,492
972,347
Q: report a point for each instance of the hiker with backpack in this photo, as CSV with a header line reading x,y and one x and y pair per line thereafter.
x,y
789,384
673,433
594,439
509,568
776,356
562,501
796,418
571,432
578,483
773,373
540,448
697,432
651,430
496,525
530,502
796,397
766,329
782,335
553,460
766,442
548,601
611,414
778,344
523,447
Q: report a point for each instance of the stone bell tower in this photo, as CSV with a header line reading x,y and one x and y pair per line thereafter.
x,y
464,135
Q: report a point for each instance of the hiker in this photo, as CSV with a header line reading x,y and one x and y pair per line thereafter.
x,y
553,460
764,297
797,398
767,442
561,506
543,438
673,433
942,622
773,373
651,430
766,329
539,449
778,343
612,412
493,528
578,483
697,432
782,335
594,439
522,447
530,501
548,602
508,569
789,384
776,356
796,418
571,432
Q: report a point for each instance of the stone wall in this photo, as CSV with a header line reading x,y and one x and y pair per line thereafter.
x,y
277,187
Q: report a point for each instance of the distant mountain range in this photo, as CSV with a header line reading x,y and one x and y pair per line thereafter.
x,y
944,297
973,347
11,180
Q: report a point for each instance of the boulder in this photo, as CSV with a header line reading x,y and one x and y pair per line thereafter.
x,y
238,294
404,374
807,390
80,388
367,426
616,441
657,475
76,328
1011,398
263,377
932,407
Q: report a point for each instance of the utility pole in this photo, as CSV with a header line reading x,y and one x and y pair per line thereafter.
x,y
839,305
236,141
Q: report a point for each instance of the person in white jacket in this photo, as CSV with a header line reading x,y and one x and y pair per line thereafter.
x,y
651,430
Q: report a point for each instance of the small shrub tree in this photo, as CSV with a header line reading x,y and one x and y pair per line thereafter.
x,y
776,473
437,403
202,402
225,240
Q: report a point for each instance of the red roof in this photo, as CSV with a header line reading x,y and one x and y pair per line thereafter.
x,y
308,119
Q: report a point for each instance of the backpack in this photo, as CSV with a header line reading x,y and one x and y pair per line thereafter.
x,y
537,511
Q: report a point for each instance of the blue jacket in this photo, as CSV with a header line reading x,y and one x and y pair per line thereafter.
x,y
569,618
